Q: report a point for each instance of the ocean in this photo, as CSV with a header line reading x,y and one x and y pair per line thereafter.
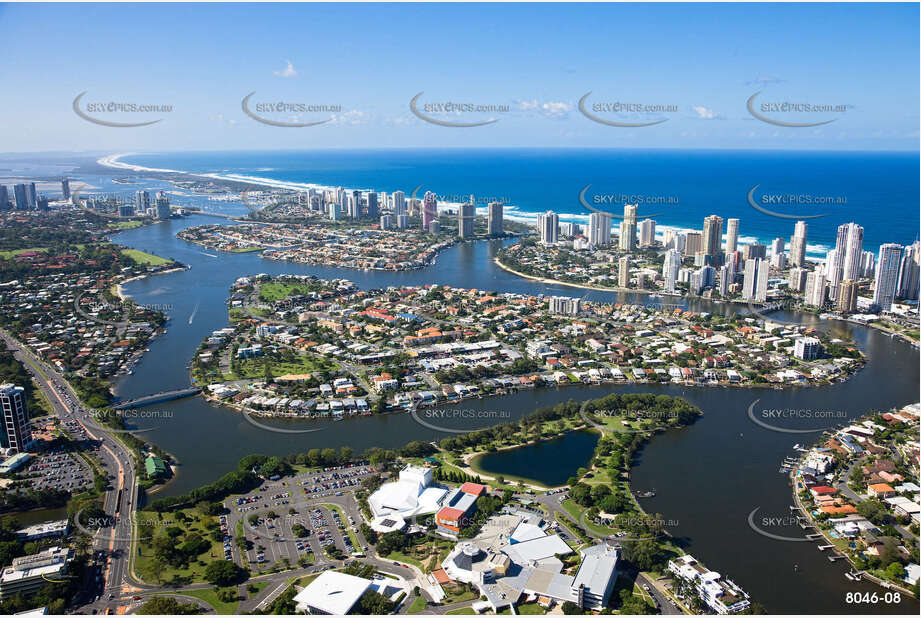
x,y
878,190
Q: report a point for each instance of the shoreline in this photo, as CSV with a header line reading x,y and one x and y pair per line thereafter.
x,y
123,296
615,289
524,217
864,575
469,468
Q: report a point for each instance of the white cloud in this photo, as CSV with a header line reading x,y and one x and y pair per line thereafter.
x,y
550,109
224,120
288,71
351,117
765,80
704,112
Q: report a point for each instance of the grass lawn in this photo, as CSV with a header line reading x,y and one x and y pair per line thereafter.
x,y
259,587
9,254
575,511
144,258
254,367
126,225
198,524
246,249
274,290
455,593
417,606
461,611
401,557
209,596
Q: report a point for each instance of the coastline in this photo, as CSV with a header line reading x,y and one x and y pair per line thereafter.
x,y
815,253
122,295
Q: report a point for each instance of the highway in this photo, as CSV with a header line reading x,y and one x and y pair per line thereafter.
x,y
120,500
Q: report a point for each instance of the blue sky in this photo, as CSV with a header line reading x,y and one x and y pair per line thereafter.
x,y
538,59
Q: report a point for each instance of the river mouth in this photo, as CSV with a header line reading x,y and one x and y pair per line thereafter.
x,y
547,463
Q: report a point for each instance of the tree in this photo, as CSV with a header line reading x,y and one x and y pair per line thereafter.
x,y
372,604
368,532
157,566
227,595
167,606
571,609
895,571
222,573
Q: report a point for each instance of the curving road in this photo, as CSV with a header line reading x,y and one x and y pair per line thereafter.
x,y
120,499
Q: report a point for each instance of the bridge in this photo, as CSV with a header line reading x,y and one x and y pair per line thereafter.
x,y
147,400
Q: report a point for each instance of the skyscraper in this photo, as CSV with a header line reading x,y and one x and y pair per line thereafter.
x,y
21,197
33,197
853,252
670,269
65,188
725,279
623,272
628,228
754,250
732,235
548,224
847,296
692,243
798,244
647,233
373,208
712,235
141,202
399,203
796,279
754,283
778,257
777,246
846,260
494,223
15,435
162,206
910,272
815,287
465,215
429,210
4,198
599,228
886,284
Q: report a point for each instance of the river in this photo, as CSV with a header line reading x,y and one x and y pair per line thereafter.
x,y
708,477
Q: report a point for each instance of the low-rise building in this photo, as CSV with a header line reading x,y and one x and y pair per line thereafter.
x,y
28,574
331,593
721,595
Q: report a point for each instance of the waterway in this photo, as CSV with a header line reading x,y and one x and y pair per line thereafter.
x,y
708,477
550,462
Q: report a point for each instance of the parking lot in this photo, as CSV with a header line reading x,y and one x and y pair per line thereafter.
x,y
57,469
289,521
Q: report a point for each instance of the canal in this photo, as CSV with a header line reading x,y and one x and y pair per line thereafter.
x,y
708,477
